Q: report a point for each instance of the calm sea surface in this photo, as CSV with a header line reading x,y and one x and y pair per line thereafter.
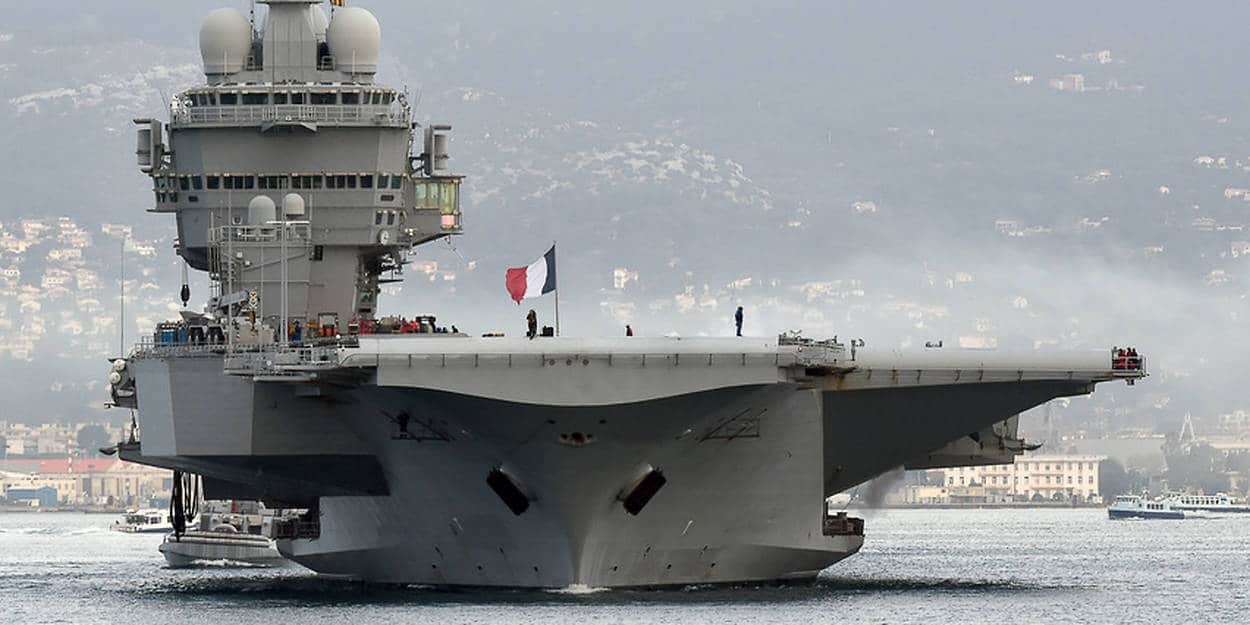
x,y
939,566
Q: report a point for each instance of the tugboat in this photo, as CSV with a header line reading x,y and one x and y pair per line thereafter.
x,y
1134,507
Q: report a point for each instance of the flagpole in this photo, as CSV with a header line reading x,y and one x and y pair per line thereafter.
x,y
553,247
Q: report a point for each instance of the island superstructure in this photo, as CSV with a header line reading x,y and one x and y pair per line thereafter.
x,y
426,456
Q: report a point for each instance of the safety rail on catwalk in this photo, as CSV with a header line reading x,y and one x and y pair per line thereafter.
x,y
338,115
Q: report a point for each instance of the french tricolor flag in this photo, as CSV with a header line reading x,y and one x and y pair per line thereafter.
x,y
535,280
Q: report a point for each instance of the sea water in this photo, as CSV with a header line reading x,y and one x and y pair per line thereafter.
x,y
917,566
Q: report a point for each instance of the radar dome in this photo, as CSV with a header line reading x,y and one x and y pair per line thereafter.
x,y
355,39
261,210
317,18
225,41
293,205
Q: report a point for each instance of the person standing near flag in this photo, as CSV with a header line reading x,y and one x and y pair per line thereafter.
x,y
738,320
535,280
531,322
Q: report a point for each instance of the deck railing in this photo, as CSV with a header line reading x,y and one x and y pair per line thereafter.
x,y
333,114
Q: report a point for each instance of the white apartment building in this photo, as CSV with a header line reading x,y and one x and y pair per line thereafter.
x,y
1031,478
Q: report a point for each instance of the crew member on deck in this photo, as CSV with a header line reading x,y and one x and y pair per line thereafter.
x,y
532,321
629,331
738,320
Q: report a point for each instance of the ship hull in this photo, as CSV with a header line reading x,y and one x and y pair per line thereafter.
x,y
735,506
462,462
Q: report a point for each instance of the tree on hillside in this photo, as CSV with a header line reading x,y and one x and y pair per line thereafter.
x,y
1197,466
91,438
1114,479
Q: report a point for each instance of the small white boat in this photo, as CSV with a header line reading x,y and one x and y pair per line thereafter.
x,y
223,543
1134,507
149,520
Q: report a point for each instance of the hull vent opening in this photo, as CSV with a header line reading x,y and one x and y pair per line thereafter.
x,y
636,498
508,491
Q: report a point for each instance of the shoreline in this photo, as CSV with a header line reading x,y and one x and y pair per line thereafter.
x,y
49,510
1031,505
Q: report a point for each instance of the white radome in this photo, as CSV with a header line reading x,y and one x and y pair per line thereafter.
x,y
293,205
261,210
319,21
355,40
225,41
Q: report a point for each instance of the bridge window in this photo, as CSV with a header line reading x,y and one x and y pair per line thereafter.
x,y
254,99
297,98
397,182
272,182
239,182
351,182
214,182
383,181
351,97
184,183
279,98
377,218
323,98
197,183
377,97
366,181
229,99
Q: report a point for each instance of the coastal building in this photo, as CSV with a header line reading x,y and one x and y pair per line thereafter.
x,y
1029,478
85,481
43,496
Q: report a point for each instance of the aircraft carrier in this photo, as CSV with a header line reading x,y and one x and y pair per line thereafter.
x,y
422,455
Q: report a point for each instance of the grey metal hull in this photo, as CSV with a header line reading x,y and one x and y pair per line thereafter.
x,y
395,457
733,509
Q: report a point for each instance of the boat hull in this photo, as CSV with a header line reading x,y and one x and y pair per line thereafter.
x,y
199,547
129,529
1114,513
